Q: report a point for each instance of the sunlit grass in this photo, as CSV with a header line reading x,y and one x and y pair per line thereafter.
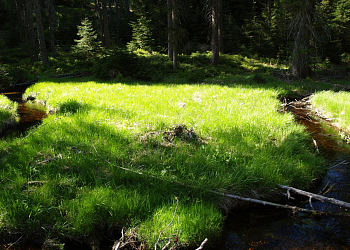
x,y
243,144
335,105
8,111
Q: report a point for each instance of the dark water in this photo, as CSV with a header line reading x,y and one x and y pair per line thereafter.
x,y
29,116
263,227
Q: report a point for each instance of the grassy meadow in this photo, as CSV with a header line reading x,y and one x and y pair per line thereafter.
x,y
142,154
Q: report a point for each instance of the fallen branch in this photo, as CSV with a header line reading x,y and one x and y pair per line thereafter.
x,y
202,245
261,202
71,75
42,125
171,222
317,197
14,243
294,208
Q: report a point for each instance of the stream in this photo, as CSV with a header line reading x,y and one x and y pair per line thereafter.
x,y
29,115
264,227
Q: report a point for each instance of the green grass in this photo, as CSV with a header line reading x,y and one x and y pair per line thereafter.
x,y
335,105
8,111
65,178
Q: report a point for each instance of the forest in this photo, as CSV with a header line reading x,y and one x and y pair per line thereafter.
x,y
60,36
164,123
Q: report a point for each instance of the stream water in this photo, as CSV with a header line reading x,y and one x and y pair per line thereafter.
x,y
263,227
29,115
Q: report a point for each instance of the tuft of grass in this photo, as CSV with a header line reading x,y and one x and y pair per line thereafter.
x,y
108,157
335,105
8,111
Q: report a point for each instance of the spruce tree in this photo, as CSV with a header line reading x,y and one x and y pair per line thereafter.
x,y
88,44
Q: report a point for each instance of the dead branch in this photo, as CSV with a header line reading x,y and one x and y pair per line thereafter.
x,y
294,208
42,125
167,245
14,243
160,234
202,245
317,197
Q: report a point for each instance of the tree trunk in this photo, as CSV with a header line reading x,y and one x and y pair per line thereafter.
x,y
303,24
106,37
52,21
117,17
170,29
20,10
110,11
221,27
127,6
175,35
99,14
41,37
30,34
215,34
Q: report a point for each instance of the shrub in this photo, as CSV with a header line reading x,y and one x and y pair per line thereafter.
x,y
116,63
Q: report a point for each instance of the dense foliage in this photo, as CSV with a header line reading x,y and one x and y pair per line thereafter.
x,y
263,28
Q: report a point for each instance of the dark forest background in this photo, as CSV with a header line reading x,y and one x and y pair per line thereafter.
x,y
112,37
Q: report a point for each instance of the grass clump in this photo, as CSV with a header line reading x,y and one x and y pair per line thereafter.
x,y
8,112
111,155
335,105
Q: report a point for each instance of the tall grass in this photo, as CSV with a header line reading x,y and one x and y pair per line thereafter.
x,y
335,105
65,178
8,111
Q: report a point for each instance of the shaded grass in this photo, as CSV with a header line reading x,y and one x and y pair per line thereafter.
x,y
246,144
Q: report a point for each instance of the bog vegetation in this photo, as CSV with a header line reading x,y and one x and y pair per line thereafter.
x,y
158,120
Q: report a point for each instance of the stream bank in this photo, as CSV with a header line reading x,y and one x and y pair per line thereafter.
x,y
289,226
29,115
262,227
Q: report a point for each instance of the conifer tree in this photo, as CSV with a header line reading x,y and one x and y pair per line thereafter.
x,y
88,44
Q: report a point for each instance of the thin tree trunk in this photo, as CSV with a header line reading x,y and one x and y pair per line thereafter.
x,y
127,6
99,14
110,11
220,27
175,35
21,16
215,34
30,34
52,20
117,17
170,29
41,37
106,37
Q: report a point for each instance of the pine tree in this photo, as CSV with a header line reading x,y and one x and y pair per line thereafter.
x,y
141,35
88,44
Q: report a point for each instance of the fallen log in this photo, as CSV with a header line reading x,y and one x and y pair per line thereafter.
x,y
317,196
